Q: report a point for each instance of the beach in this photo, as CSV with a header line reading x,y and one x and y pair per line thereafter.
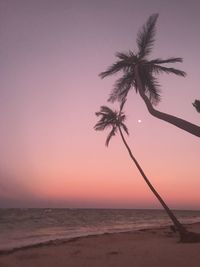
x,y
148,247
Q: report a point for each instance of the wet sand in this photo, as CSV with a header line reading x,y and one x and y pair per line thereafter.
x,y
144,248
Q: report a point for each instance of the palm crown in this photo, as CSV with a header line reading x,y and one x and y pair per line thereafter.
x,y
148,69
196,104
111,119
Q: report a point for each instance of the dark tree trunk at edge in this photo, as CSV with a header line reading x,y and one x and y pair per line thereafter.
x,y
180,123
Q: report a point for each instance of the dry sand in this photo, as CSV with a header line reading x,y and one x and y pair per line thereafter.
x,y
147,248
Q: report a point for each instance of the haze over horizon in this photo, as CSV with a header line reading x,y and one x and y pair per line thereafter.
x,y
51,55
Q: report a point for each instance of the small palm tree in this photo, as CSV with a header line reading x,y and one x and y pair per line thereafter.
x,y
116,121
140,73
196,104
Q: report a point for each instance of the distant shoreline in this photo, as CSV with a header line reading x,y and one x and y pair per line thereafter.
x,y
89,208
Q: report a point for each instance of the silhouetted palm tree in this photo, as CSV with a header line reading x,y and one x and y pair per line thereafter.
x,y
115,120
140,73
196,104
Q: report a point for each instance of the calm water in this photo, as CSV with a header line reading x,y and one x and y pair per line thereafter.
x,y
22,227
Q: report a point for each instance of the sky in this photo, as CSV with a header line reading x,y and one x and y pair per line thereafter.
x,y
52,52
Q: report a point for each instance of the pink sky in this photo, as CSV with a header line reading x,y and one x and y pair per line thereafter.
x,y
51,55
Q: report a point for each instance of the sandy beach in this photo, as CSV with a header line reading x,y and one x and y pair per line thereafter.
x,y
152,247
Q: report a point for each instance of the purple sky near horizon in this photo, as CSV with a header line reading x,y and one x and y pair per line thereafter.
x,y
51,55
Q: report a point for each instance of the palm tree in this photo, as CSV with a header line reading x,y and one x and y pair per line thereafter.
x,y
116,121
196,104
140,73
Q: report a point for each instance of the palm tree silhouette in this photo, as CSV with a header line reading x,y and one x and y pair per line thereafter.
x,y
116,121
140,73
196,104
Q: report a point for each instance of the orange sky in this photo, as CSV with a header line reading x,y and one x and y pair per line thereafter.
x,y
50,154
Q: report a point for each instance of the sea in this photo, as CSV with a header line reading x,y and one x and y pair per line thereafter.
x,y
26,227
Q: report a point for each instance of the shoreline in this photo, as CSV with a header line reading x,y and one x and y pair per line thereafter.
x,y
55,242
35,228
109,249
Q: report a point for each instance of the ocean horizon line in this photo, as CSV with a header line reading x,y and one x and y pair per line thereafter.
x,y
101,208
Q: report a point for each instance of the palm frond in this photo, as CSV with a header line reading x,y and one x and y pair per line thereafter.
x,y
124,56
146,36
128,57
125,128
122,87
160,69
196,104
116,67
168,60
153,90
99,126
121,117
108,117
105,109
111,134
150,85
122,105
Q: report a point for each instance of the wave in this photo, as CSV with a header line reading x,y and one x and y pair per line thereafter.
x,y
32,227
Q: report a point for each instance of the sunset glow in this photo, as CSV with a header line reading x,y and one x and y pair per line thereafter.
x,y
51,54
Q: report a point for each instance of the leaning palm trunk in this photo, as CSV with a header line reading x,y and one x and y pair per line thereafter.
x,y
182,124
185,236
115,120
178,226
